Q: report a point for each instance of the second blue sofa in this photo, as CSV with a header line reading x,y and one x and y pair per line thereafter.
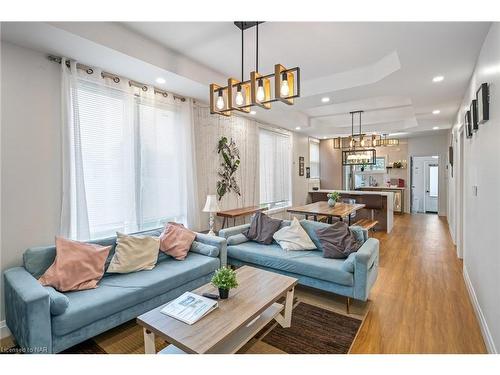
x,y
352,277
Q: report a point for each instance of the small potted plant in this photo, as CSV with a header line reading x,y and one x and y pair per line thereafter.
x,y
332,198
224,279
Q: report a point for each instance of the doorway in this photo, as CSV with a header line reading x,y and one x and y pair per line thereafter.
x,y
425,184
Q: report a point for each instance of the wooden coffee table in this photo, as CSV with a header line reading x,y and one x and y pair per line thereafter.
x,y
249,308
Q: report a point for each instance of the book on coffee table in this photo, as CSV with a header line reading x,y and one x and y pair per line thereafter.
x,y
189,307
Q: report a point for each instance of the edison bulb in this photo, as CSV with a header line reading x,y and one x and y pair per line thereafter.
x,y
285,89
261,95
239,98
220,102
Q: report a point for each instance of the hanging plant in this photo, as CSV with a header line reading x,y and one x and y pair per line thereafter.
x,y
230,161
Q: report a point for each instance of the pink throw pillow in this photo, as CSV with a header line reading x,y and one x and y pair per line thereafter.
x,y
176,240
78,266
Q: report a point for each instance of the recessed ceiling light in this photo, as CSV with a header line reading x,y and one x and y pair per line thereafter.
x,y
435,128
324,137
437,79
253,112
326,99
297,128
160,80
436,112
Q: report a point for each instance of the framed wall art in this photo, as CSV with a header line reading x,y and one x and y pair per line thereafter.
x,y
468,125
483,104
473,115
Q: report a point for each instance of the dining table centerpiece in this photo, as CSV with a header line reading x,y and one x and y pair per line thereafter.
x,y
333,198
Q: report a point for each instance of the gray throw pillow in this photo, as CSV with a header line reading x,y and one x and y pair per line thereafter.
x,y
262,228
337,241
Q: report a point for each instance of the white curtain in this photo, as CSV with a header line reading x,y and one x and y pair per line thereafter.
x,y
128,162
275,166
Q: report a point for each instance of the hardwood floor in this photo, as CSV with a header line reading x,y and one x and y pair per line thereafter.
x,y
420,302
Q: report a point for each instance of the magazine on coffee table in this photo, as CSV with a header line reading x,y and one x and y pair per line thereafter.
x,y
190,307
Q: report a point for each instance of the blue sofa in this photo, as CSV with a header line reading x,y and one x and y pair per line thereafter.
x,y
44,320
352,277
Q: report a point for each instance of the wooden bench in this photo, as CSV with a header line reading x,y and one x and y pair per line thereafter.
x,y
366,223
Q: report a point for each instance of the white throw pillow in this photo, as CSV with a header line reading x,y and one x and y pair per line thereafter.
x,y
294,237
134,253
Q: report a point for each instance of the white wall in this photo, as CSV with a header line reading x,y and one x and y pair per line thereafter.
x,y
481,218
30,158
431,146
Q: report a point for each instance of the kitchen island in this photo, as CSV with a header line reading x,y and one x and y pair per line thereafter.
x,y
378,205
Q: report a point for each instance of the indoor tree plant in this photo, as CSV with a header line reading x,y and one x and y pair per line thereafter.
x,y
230,161
224,279
332,198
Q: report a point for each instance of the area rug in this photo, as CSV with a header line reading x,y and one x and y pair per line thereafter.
x,y
314,330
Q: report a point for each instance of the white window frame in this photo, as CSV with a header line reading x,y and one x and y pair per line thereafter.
x,y
314,141
273,207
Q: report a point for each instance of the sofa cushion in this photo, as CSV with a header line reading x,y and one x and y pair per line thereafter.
x,y
262,228
120,291
204,249
294,237
134,253
58,301
308,262
237,239
176,240
359,233
77,265
338,241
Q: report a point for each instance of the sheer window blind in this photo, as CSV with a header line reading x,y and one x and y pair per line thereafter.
x,y
275,168
314,159
130,153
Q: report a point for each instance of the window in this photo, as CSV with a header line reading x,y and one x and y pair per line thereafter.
x,y
433,180
275,168
314,158
129,162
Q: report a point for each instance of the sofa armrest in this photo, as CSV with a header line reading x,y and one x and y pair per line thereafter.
x,y
365,268
27,310
218,242
228,232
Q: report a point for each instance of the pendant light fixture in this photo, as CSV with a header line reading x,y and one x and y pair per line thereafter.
x,y
362,139
358,156
258,91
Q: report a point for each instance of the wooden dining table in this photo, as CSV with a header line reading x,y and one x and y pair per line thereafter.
x,y
340,210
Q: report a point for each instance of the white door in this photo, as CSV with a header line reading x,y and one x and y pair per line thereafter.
x,y
431,187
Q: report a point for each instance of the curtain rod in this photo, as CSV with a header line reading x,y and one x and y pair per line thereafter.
x,y
115,78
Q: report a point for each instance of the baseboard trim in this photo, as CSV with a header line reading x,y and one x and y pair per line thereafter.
x,y
4,330
485,331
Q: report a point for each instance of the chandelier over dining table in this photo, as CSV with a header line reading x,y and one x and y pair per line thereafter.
x,y
260,90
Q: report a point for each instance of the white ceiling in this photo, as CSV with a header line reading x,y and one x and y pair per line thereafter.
x,y
383,68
